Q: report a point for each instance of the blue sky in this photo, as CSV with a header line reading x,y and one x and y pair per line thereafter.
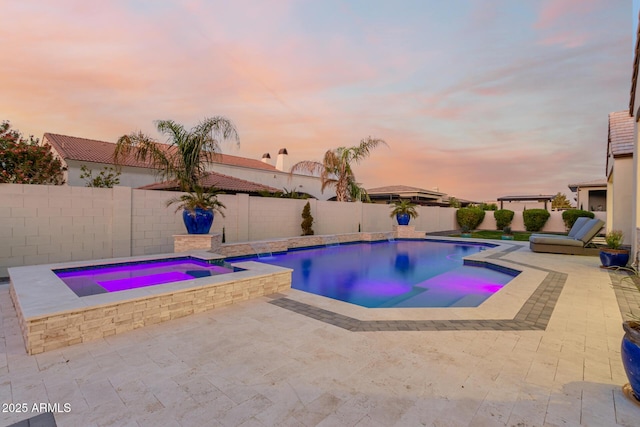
x,y
480,99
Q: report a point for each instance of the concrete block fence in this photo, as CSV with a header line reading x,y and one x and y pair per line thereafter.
x,y
42,224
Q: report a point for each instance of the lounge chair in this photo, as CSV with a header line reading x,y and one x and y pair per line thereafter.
x,y
577,225
576,244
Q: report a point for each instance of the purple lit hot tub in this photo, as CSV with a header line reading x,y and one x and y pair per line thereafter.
x,y
119,277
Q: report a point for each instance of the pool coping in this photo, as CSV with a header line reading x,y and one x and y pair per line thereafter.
x,y
525,303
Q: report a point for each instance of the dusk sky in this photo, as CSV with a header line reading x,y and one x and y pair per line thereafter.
x,y
478,98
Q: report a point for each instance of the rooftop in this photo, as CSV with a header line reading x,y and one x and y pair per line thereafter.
x,y
91,150
219,181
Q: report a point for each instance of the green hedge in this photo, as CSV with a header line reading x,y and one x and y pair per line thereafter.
x,y
571,215
503,218
535,219
469,218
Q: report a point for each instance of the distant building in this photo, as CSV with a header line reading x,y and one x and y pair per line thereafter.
x,y
522,202
74,152
590,195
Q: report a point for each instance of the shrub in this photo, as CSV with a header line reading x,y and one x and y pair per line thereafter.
x,y
307,220
469,217
107,178
571,215
503,218
25,161
488,206
535,219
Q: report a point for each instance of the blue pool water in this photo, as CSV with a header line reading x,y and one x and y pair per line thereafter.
x,y
404,273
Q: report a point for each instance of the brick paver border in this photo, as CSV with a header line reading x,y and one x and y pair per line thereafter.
x,y
534,314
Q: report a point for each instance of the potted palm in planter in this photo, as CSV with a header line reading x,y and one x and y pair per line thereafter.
x,y
404,210
198,209
613,256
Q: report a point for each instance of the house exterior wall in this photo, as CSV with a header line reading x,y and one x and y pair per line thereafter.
x,y
622,197
139,177
277,179
129,177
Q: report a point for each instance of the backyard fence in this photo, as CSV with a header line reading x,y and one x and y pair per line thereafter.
x,y
41,224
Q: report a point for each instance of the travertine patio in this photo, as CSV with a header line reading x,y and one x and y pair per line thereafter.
x,y
264,362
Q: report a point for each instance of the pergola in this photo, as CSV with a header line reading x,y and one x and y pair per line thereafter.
x,y
538,198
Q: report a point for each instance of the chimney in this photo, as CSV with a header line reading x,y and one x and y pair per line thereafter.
x,y
266,158
282,162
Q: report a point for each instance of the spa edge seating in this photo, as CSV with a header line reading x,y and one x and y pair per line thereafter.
x,y
577,242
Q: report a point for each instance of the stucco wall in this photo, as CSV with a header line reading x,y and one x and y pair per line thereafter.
x,y
129,177
48,224
622,197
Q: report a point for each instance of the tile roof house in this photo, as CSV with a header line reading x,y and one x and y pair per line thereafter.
x,y
75,152
228,184
619,170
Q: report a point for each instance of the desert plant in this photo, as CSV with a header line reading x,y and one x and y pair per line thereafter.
x,y
470,218
307,220
614,239
488,206
199,198
335,168
107,178
535,219
571,215
503,218
404,207
188,152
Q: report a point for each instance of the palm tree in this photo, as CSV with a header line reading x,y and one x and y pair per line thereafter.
x,y
335,169
185,156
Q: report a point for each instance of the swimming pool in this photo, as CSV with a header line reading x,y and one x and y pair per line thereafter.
x,y
404,273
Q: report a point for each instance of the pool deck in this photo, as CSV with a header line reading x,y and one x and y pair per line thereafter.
x,y
545,353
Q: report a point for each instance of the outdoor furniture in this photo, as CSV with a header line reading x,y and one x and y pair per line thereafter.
x,y
577,244
580,222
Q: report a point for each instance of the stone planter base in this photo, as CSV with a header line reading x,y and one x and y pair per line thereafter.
x,y
407,232
195,242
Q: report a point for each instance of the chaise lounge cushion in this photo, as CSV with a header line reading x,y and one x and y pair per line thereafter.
x,y
576,245
580,222
556,240
589,230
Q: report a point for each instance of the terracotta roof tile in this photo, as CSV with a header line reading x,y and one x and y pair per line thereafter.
x,y
620,133
91,150
219,181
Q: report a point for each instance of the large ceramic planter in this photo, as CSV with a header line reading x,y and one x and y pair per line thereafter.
x,y
197,221
403,219
614,257
630,352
